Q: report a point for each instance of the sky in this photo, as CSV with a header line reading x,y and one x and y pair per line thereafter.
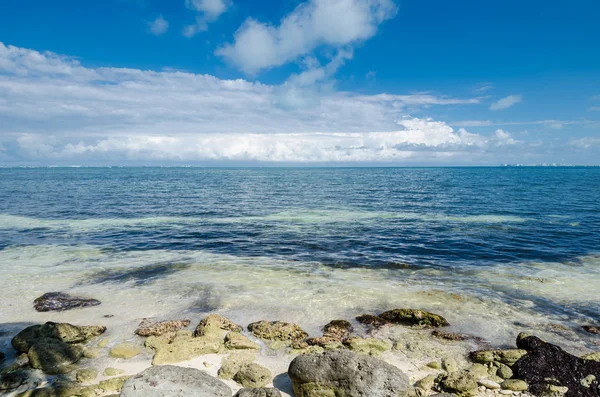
x,y
299,82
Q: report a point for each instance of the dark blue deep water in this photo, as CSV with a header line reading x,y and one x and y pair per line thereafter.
x,y
342,217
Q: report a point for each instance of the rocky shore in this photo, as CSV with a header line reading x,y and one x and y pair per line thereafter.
x,y
402,352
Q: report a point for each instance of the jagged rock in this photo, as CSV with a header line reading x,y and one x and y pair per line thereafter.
x,y
259,392
371,346
147,328
87,375
372,321
237,341
592,329
215,323
326,342
60,301
463,383
125,351
592,356
171,381
231,364
414,317
186,348
53,356
547,364
344,373
339,329
514,385
12,380
277,330
508,357
253,375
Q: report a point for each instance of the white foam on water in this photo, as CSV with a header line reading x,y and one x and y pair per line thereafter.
x,y
192,283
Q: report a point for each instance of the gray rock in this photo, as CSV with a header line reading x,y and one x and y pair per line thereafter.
x,y
171,381
261,392
59,301
344,373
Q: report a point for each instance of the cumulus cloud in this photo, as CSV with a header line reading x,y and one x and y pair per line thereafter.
x,y
158,26
335,23
506,102
209,11
53,109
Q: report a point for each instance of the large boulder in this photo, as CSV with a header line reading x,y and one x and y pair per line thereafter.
x,y
277,331
414,317
546,365
63,332
53,356
59,301
343,373
171,381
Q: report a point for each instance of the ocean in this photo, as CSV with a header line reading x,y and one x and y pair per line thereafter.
x,y
495,250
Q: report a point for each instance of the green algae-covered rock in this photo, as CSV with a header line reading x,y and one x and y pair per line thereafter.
x,y
87,375
125,351
231,364
149,328
515,385
503,371
508,357
277,330
113,384
63,332
414,317
339,329
592,356
215,323
183,349
53,356
253,375
237,341
326,342
113,372
370,346
463,383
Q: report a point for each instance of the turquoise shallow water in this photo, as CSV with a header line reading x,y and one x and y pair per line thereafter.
x,y
516,242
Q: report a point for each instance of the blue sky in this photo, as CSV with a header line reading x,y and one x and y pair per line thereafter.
x,y
299,82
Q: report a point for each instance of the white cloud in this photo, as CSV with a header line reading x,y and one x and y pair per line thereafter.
x,y
586,143
506,102
595,109
504,138
158,26
209,10
334,23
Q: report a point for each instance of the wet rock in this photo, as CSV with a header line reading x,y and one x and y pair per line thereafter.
x,y
113,372
479,371
277,330
508,357
547,364
253,375
92,352
237,341
125,351
148,328
12,380
186,348
453,336
61,390
60,301
344,373
53,356
171,381
339,329
231,364
259,392
372,321
592,329
414,317
87,375
515,385
215,323
370,346
1,357
113,384
463,383
326,342
63,332
504,371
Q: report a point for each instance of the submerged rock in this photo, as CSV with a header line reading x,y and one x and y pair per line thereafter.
x,y
253,375
277,330
372,321
125,351
371,346
592,329
182,349
339,329
414,317
453,336
60,301
63,332
258,392
53,356
171,381
147,328
344,373
87,375
215,323
12,380
548,365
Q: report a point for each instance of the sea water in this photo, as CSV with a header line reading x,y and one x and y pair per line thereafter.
x,y
496,251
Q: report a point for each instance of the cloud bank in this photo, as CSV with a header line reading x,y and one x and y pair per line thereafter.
x,y
55,110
